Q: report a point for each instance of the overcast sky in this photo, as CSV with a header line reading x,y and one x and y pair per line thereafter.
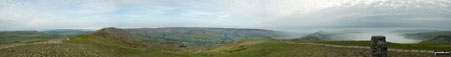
x,y
285,15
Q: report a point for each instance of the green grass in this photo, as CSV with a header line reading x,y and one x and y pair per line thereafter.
x,y
255,50
84,46
390,45
106,46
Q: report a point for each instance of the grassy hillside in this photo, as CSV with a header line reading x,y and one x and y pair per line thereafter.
x,y
83,46
198,36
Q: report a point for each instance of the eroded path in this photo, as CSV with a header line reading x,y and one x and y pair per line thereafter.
x,y
365,47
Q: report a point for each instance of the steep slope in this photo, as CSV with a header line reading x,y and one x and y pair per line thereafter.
x,y
199,36
119,36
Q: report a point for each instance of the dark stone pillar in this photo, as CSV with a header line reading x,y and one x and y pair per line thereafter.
x,y
378,46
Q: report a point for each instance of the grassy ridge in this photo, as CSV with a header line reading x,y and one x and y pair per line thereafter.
x,y
391,45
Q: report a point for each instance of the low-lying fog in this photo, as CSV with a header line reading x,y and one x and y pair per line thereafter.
x,y
390,37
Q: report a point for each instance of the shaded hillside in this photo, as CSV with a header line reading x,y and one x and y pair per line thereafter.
x,y
441,39
202,36
427,35
22,36
316,36
119,36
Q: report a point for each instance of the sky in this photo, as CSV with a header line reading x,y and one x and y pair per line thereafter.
x,y
284,15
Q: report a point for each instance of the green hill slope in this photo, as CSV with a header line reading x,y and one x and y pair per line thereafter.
x,y
83,46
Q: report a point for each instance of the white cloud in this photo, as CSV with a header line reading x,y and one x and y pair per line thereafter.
x,y
16,14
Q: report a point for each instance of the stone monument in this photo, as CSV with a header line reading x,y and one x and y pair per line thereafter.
x,y
378,46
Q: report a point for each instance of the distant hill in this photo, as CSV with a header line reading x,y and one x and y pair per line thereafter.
x,y
426,35
21,36
441,39
200,36
119,36
316,36
68,31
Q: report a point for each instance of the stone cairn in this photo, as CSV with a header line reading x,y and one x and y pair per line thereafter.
x,y
378,46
